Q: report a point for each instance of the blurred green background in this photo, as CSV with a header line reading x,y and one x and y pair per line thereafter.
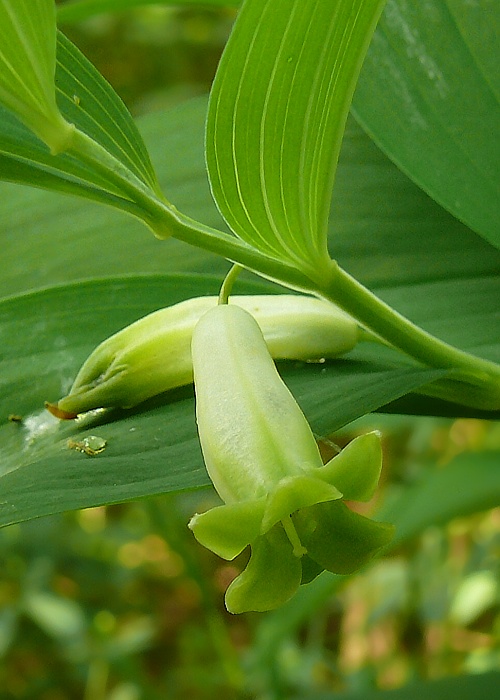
x,y
120,603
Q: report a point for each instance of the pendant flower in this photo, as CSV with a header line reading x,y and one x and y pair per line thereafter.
x,y
264,462
153,354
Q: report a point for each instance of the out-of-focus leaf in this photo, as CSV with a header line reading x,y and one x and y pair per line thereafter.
x,y
276,116
484,687
89,102
429,94
470,484
59,617
153,448
77,10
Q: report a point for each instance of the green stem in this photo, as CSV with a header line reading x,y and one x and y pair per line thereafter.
x,y
227,285
165,220
473,380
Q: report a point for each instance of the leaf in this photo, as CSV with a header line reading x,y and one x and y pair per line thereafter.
x,y
385,231
429,94
86,100
27,67
31,221
463,687
470,484
77,10
154,448
276,117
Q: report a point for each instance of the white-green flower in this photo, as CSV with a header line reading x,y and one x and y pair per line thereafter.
x,y
264,462
153,354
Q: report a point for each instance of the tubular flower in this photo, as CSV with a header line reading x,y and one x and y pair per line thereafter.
x,y
153,354
264,462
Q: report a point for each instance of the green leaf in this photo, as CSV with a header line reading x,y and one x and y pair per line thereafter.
x,y
470,484
407,249
77,10
27,68
31,221
153,448
276,117
484,686
86,100
429,94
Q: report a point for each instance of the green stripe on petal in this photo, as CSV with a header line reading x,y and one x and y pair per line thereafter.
x,y
356,470
271,578
228,529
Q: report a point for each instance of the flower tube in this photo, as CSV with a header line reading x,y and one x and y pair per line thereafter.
x,y
264,462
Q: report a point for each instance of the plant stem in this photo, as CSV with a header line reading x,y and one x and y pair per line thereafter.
x,y
164,219
227,285
473,381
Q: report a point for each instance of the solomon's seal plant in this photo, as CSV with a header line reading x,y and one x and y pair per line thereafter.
x,y
264,462
274,127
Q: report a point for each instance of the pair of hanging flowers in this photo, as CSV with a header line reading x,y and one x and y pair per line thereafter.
x,y
259,450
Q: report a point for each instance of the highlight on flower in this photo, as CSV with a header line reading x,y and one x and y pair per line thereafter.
x,y
264,462
153,354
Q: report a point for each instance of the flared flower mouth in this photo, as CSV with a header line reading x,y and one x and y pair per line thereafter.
x,y
264,462
300,528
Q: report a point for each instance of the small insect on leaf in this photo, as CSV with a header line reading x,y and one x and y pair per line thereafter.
x,y
91,445
15,418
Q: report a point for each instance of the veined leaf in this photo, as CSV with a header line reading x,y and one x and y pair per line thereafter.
x,y
88,101
45,336
388,233
449,286
429,94
92,104
27,68
77,10
276,117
